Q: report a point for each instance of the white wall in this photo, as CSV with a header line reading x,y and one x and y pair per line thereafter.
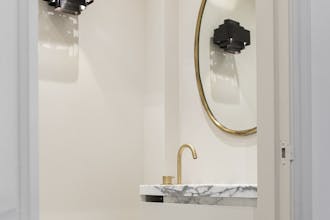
x,y
177,117
153,211
222,158
170,122
320,109
103,120
161,132
91,112
154,94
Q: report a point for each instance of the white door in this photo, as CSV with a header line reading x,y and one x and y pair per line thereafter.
x,y
18,155
9,188
9,160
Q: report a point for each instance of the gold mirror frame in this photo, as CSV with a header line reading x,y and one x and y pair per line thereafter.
x,y
200,85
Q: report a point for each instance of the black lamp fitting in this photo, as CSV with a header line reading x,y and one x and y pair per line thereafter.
x,y
74,7
231,37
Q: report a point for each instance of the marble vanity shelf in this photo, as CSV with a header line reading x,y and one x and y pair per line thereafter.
x,y
203,194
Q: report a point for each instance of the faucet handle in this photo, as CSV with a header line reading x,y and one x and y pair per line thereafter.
x,y
168,180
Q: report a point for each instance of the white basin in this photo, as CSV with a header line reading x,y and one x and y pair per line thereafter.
x,y
207,194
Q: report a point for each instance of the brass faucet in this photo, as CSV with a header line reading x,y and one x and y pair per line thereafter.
x,y
179,168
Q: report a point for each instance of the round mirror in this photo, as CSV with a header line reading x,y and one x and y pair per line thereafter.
x,y
225,62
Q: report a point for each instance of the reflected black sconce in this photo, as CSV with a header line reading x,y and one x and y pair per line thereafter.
x,y
74,7
231,37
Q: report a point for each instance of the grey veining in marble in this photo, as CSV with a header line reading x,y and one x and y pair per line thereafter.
x,y
239,195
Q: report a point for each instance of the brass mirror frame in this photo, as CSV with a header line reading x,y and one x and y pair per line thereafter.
x,y
200,85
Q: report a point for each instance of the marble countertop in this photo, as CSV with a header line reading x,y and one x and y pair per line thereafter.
x,y
204,194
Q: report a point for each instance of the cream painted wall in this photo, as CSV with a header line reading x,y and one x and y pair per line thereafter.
x,y
195,212
173,111
154,93
161,131
172,97
222,158
94,143
91,111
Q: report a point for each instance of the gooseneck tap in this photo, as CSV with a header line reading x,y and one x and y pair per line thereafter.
x,y
179,164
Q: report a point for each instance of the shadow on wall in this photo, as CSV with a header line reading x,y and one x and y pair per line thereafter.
x,y
224,81
58,45
108,50
224,84
225,89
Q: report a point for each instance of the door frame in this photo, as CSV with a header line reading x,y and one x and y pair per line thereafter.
x,y
28,109
284,111
274,172
298,135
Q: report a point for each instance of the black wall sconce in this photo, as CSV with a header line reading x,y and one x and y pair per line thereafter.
x,y
231,37
74,7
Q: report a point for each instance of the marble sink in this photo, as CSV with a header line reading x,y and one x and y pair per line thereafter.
x,y
201,194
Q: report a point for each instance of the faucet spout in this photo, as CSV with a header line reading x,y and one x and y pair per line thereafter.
x,y
179,159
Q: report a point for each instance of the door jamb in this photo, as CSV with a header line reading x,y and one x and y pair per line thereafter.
x,y
274,110
28,109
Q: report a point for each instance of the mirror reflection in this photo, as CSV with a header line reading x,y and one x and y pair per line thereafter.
x,y
227,69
